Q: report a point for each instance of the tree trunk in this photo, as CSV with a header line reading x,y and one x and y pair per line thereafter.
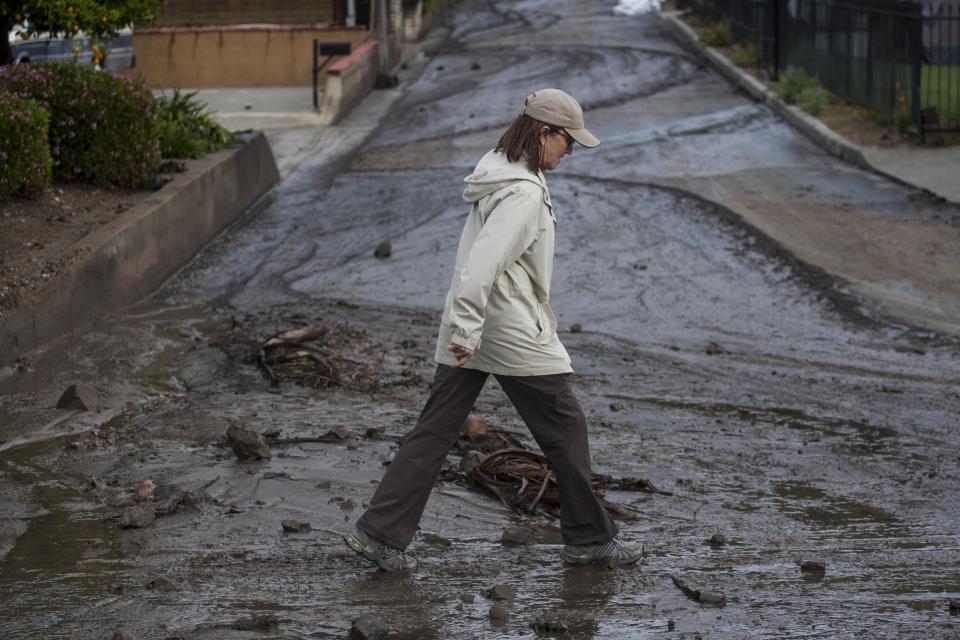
x,y
6,55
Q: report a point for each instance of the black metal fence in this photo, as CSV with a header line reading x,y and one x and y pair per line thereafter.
x,y
894,57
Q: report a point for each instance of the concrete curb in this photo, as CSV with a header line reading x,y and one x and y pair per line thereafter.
x,y
803,122
349,80
130,258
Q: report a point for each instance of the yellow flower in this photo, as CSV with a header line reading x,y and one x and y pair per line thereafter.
x,y
76,27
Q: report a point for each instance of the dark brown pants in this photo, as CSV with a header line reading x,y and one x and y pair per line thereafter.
x,y
552,414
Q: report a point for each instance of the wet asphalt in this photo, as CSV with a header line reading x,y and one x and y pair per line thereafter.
x,y
772,401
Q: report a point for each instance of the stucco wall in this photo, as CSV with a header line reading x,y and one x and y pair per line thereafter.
x,y
244,56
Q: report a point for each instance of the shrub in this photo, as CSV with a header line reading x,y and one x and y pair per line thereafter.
x,y
102,126
186,129
717,35
24,155
812,100
745,55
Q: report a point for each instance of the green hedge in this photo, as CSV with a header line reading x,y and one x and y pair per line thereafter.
x,y
102,126
24,155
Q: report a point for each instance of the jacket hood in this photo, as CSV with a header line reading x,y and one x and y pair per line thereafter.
x,y
494,172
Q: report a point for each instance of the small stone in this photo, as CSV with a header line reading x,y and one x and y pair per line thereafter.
x,y
120,634
146,488
383,250
467,597
295,526
476,427
374,433
79,397
712,597
137,517
470,461
576,327
813,566
717,540
671,625
366,627
475,66
501,592
516,535
161,583
954,605
247,444
617,406
436,540
353,444
714,349
498,612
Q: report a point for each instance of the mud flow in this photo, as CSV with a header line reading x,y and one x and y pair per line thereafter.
x,y
792,443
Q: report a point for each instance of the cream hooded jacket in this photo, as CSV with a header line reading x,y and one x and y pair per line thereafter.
x,y
499,299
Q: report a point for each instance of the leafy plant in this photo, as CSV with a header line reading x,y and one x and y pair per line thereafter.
x,y
745,55
812,100
24,155
717,35
187,130
102,126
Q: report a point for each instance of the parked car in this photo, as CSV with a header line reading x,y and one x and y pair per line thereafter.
x,y
119,56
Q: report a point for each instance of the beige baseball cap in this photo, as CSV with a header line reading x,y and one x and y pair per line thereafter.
x,y
561,110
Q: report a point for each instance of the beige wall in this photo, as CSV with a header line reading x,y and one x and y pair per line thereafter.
x,y
202,13
249,56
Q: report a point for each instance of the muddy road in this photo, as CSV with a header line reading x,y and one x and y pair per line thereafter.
x,y
770,402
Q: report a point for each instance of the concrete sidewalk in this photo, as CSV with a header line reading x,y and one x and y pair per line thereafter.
x,y
934,170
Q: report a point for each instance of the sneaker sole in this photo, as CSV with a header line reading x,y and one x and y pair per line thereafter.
x,y
569,559
364,550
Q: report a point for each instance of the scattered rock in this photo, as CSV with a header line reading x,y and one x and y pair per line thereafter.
x,y
436,540
161,583
353,444
576,328
475,66
813,566
120,634
467,597
137,517
347,505
259,622
501,592
717,540
79,397
383,250
671,625
516,535
954,605
366,627
146,489
706,597
498,612
374,433
247,444
714,349
617,406
295,526
550,622
476,427
386,81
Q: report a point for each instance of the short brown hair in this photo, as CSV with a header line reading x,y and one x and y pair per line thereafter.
x,y
522,140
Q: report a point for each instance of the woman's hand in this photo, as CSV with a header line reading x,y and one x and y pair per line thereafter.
x,y
462,354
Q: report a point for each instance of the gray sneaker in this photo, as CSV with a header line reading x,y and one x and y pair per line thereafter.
x,y
613,553
384,556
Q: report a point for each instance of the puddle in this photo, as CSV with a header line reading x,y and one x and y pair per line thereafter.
x,y
65,561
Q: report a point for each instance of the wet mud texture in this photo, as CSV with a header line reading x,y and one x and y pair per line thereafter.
x,y
789,421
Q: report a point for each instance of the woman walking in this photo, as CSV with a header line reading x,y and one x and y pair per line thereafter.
x,y
497,320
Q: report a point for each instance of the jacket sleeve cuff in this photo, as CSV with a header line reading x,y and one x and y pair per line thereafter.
x,y
470,342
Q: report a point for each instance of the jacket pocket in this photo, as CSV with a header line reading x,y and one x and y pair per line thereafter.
x,y
546,322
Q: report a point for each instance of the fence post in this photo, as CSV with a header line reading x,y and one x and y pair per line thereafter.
x,y
776,39
916,52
